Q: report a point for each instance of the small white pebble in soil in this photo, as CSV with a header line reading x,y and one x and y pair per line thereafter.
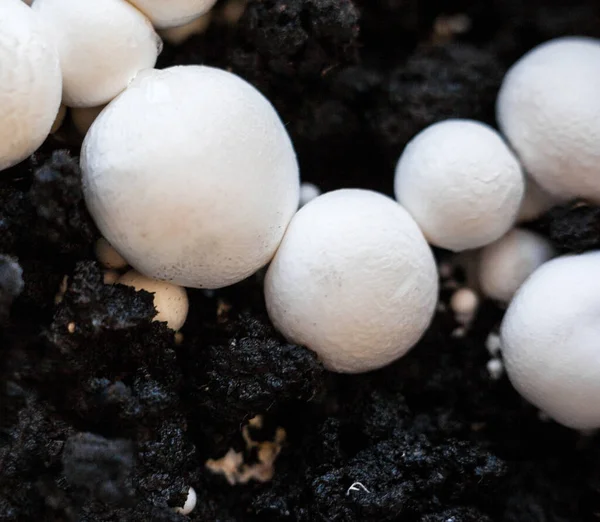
x,y
190,503
308,192
464,304
495,368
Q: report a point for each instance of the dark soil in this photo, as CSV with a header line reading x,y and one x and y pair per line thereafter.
x,y
104,418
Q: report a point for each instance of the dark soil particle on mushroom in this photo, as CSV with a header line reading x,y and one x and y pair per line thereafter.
x,y
103,417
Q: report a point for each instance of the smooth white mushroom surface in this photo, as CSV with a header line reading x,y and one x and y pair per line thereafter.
x,y
170,301
30,82
549,109
353,280
191,176
308,192
551,340
190,503
507,263
102,44
173,13
461,184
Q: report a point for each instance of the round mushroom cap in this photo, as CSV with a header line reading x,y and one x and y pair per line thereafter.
x,y
551,340
505,264
170,301
549,110
173,13
191,176
30,82
102,44
353,280
461,184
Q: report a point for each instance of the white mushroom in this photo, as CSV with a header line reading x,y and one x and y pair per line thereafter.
x,y
102,44
191,176
461,184
549,109
507,263
170,301
354,280
31,82
551,340
173,13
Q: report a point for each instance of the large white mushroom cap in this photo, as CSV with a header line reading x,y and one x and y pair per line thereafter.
x,y
551,340
505,264
30,82
171,13
549,110
461,184
354,280
103,44
191,176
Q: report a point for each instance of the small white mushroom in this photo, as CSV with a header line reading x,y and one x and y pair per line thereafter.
x,y
83,117
548,108
170,301
172,13
190,503
108,256
102,46
461,183
507,263
202,190
464,304
495,368
308,192
353,280
31,82
551,339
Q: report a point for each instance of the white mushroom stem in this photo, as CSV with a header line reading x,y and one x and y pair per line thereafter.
x,y
102,46
170,301
353,280
507,263
536,201
550,339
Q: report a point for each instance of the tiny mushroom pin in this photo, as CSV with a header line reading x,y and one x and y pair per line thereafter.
x,y
170,301
353,280
548,109
174,12
102,46
30,90
216,169
461,184
550,337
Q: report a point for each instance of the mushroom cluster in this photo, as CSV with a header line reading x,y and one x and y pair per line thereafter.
x,y
193,181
